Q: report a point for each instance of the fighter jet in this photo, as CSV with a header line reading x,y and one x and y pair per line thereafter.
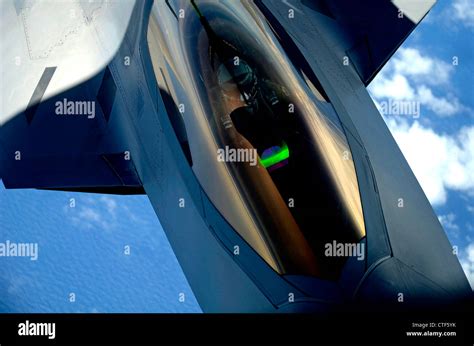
x,y
248,126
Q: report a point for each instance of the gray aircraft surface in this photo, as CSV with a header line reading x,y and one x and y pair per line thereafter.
x,y
248,126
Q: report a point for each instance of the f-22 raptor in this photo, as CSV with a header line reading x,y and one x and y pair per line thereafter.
x,y
248,126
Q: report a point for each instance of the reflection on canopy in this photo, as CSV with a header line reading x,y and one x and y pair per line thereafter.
x,y
246,94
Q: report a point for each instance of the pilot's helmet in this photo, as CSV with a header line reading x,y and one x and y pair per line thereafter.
x,y
230,74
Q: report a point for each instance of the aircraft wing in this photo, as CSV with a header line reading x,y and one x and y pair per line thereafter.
x,y
368,33
54,62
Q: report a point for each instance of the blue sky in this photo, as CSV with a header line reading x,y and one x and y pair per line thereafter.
x,y
82,248
439,144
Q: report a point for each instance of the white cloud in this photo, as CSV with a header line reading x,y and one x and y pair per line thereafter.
x,y
396,87
463,10
449,223
89,215
110,204
440,162
91,218
96,212
412,76
439,105
467,262
410,62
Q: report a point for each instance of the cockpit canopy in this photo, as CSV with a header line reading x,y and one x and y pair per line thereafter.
x,y
267,148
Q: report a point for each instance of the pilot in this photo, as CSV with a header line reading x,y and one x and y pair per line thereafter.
x,y
265,120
